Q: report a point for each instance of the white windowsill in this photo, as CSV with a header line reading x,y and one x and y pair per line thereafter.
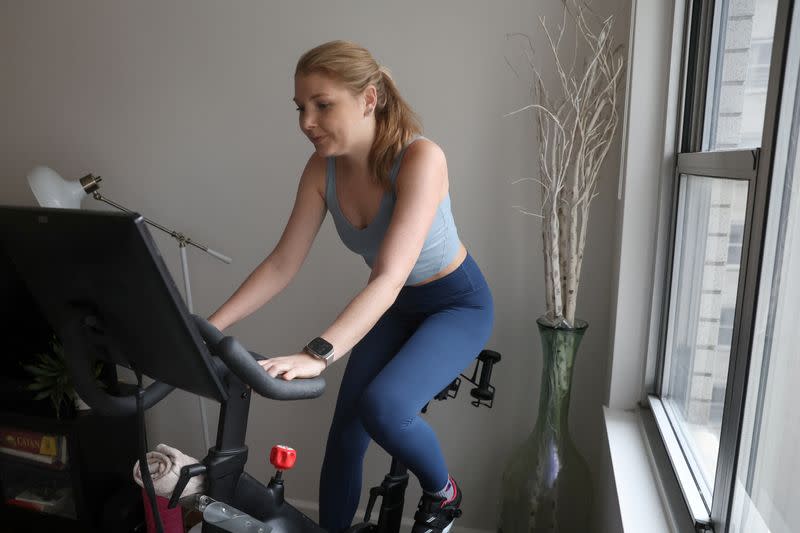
x,y
641,506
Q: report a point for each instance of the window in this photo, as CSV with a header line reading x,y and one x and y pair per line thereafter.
x,y
704,284
768,466
726,364
741,44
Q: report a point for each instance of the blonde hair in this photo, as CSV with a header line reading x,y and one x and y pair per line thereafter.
x,y
354,66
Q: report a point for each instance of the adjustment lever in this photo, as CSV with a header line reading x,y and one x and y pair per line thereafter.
x,y
282,458
187,473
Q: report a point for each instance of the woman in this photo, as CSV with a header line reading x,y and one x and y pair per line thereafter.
x,y
426,311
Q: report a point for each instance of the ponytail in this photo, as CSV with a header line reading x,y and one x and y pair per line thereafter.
x,y
396,123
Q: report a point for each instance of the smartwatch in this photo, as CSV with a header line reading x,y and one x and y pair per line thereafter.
x,y
321,349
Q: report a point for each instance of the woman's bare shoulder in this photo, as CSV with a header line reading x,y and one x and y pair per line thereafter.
x,y
423,156
314,173
424,148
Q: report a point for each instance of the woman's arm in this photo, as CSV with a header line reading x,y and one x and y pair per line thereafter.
x,y
281,265
420,185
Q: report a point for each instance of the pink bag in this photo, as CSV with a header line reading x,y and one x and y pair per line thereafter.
x,y
171,519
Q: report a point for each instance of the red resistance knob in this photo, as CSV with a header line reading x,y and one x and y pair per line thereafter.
x,y
282,457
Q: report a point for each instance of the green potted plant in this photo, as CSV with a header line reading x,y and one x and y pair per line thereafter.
x,y
51,379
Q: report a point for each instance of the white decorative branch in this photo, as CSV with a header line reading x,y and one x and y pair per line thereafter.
x,y
574,134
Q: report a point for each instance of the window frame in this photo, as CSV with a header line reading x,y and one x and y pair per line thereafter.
x,y
698,40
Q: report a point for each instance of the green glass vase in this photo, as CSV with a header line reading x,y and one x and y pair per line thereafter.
x,y
546,483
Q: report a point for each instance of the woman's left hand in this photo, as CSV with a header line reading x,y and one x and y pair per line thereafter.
x,y
299,365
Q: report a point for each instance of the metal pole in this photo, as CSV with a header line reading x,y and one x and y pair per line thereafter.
x,y
188,292
179,236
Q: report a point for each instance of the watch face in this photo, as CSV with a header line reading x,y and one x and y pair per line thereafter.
x,y
320,346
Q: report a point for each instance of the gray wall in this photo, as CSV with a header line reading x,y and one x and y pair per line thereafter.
x,y
185,110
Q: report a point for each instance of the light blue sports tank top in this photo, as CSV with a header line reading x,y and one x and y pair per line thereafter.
x,y
441,245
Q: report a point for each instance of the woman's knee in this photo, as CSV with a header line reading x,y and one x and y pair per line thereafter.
x,y
383,414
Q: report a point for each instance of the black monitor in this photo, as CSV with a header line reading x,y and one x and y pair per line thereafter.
x,y
23,327
106,265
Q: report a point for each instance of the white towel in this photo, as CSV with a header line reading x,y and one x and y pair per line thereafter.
x,y
165,465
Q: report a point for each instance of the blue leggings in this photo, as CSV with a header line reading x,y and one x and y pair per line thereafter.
x,y
427,337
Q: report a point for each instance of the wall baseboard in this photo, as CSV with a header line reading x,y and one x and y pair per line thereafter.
x,y
312,510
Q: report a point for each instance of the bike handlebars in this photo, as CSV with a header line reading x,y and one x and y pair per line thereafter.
x,y
227,355
83,379
242,363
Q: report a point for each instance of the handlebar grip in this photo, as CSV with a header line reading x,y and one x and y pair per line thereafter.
x,y
484,392
243,364
489,358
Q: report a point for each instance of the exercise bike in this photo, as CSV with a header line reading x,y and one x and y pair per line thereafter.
x,y
100,281
391,490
